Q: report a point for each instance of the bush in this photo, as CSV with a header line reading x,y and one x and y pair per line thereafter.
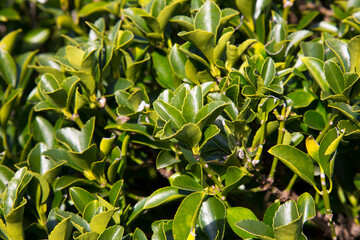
x,y
176,119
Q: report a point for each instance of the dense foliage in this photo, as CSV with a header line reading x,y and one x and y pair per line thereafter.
x,y
179,119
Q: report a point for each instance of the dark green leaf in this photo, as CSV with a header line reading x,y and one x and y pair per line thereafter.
x,y
212,218
236,214
208,17
80,197
186,216
256,228
306,206
340,49
163,195
286,214
296,160
186,183
270,213
314,119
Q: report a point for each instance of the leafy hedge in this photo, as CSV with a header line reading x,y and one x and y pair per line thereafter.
x,y
179,119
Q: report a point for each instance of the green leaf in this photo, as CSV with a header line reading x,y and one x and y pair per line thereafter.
x,y
236,214
301,98
88,236
8,41
313,49
7,68
62,231
78,222
177,61
297,37
37,36
186,183
314,119
167,12
164,74
11,193
286,214
222,42
256,228
340,49
193,102
14,220
92,7
115,192
186,216
345,109
168,112
357,181
208,17
99,222
354,51
7,14
334,77
306,206
307,19
76,140
7,108
202,40
112,233
296,160
166,158
270,213
43,131
163,195
315,67
233,178
208,113
209,133
80,197
6,174
212,218
268,71
68,181
92,208
139,235
289,231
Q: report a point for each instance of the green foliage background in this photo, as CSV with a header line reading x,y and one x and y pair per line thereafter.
x,y
179,119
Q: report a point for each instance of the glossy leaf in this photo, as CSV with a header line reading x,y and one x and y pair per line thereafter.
x,y
315,67
236,214
80,197
212,218
186,183
286,214
296,160
270,214
334,77
192,104
208,17
186,215
301,98
62,231
354,51
165,158
7,68
168,112
8,41
115,192
306,206
77,140
163,195
112,233
99,222
256,228
339,48
314,120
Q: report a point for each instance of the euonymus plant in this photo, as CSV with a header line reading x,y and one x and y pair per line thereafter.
x,y
179,119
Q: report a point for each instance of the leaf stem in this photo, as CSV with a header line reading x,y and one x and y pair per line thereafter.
x,y
210,173
77,120
110,112
328,211
281,132
291,182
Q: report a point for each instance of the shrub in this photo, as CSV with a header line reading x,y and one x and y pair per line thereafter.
x,y
179,119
